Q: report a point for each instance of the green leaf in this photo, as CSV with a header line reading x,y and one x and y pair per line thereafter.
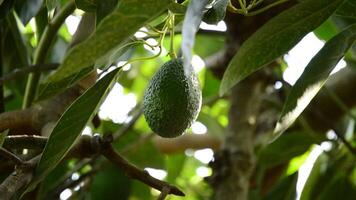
x,y
28,9
347,9
71,124
86,5
49,90
327,30
216,13
285,148
174,165
177,8
103,8
275,38
113,30
6,7
285,189
110,184
340,187
51,4
314,77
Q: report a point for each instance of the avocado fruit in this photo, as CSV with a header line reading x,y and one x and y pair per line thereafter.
x,y
172,99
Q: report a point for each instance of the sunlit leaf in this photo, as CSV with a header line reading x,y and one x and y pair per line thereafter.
x,y
71,124
275,38
113,30
314,77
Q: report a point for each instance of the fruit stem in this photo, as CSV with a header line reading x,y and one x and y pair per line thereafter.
x,y
172,54
42,50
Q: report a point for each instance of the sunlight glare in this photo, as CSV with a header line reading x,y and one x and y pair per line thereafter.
x,y
204,155
199,128
117,105
157,173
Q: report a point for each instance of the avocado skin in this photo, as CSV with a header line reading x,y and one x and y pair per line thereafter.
x,y
172,100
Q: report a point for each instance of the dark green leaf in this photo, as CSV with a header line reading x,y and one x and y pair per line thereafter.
x,y
103,8
216,13
190,27
314,77
285,189
347,9
53,179
6,7
114,29
49,90
275,38
86,5
177,8
340,187
285,148
71,124
51,4
110,184
28,9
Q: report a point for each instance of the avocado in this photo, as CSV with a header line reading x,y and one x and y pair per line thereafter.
x,y
172,100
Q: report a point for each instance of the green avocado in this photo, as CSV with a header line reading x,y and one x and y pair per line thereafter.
x,y
172,100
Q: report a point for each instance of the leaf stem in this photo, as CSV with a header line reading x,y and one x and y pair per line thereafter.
x,y
42,50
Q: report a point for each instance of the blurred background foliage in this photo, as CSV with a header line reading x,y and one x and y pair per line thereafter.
x,y
333,175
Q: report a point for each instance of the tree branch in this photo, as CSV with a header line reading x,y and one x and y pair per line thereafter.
x,y
21,120
25,70
25,142
135,173
18,179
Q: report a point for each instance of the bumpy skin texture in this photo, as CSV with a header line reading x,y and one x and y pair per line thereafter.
x,y
171,101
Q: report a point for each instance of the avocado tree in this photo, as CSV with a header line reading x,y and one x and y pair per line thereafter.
x,y
56,83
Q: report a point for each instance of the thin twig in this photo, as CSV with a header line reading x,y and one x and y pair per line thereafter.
x,y
26,70
345,142
25,142
135,173
9,155
164,193
136,115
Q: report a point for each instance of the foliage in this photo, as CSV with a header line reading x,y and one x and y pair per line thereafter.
x,y
110,67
